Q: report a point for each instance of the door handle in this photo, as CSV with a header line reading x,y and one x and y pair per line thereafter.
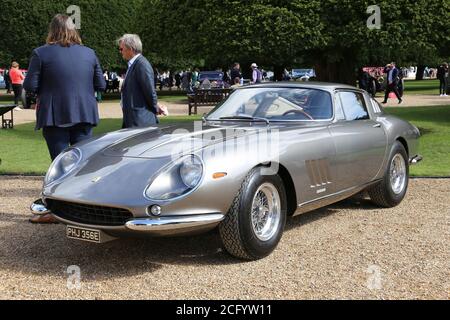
x,y
378,125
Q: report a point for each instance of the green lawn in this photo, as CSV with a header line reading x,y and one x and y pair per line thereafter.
x,y
434,124
23,151
421,87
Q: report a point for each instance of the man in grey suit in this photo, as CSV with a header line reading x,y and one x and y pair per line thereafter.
x,y
139,99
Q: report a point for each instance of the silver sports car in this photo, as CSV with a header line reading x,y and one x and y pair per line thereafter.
x,y
267,152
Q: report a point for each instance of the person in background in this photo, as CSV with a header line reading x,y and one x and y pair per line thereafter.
x,y
7,80
392,82
139,99
17,78
235,73
256,74
363,79
194,77
65,76
237,83
443,77
178,80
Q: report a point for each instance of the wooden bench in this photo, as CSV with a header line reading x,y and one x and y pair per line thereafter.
x,y
7,123
206,97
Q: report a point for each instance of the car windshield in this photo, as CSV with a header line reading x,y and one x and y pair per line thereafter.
x,y
275,104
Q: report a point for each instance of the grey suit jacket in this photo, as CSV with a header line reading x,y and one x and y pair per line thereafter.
x,y
139,99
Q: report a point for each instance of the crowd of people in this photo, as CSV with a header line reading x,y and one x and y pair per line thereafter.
x,y
190,79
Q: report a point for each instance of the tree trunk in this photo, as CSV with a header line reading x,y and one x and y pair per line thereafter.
x,y
343,71
278,71
420,72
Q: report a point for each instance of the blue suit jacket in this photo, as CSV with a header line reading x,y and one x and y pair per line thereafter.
x,y
139,99
65,80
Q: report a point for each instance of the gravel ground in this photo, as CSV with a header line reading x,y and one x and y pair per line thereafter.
x,y
336,252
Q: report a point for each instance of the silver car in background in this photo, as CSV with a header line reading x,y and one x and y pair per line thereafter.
x,y
268,152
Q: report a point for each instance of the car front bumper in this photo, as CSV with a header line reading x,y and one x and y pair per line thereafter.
x,y
151,226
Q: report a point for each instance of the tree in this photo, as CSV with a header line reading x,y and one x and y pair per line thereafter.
x,y
411,32
271,33
332,35
24,26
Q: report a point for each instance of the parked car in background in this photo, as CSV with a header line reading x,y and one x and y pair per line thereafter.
x,y
268,152
214,77
2,82
303,74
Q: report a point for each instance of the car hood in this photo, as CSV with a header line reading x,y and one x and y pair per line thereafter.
x,y
170,140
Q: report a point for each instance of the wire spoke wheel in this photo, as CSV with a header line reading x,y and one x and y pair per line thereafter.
x,y
397,174
266,212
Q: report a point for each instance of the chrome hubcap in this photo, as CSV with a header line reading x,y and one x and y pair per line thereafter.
x,y
266,212
398,174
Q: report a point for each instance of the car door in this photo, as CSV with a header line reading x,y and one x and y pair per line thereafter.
x,y
360,141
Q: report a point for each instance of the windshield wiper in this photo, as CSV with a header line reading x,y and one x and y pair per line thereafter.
x,y
245,117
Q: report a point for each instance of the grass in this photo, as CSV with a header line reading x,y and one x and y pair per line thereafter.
x,y
413,87
23,151
434,124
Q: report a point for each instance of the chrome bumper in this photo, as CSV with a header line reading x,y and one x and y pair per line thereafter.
x,y
161,225
174,223
416,160
38,208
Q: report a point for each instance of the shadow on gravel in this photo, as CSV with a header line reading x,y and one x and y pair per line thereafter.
x,y
26,248
356,203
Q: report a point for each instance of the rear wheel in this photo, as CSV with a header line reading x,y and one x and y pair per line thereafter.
x,y
391,191
255,223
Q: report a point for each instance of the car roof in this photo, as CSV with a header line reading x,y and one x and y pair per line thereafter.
x,y
328,86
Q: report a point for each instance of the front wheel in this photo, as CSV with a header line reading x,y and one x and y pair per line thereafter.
x,y
255,223
391,191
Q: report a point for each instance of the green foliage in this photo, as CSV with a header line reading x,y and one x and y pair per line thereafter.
x,y
332,35
24,26
329,34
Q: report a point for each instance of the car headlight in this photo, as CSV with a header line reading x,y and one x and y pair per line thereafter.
x,y
178,179
63,165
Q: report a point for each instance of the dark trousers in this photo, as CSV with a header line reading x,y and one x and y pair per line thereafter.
x,y
58,139
17,88
7,87
393,87
443,86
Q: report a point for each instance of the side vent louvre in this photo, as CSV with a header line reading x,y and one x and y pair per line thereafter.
x,y
318,172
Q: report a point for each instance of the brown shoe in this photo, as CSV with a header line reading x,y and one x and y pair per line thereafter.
x,y
45,219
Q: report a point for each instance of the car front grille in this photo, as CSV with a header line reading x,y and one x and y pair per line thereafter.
x,y
88,214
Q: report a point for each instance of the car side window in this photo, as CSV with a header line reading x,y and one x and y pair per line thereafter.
x,y
339,110
353,105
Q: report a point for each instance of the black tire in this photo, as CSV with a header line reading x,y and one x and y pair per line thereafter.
x,y
382,194
236,230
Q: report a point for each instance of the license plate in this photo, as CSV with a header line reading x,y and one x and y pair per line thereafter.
x,y
84,234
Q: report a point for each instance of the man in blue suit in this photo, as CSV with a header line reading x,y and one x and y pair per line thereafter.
x,y
392,82
139,99
65,76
